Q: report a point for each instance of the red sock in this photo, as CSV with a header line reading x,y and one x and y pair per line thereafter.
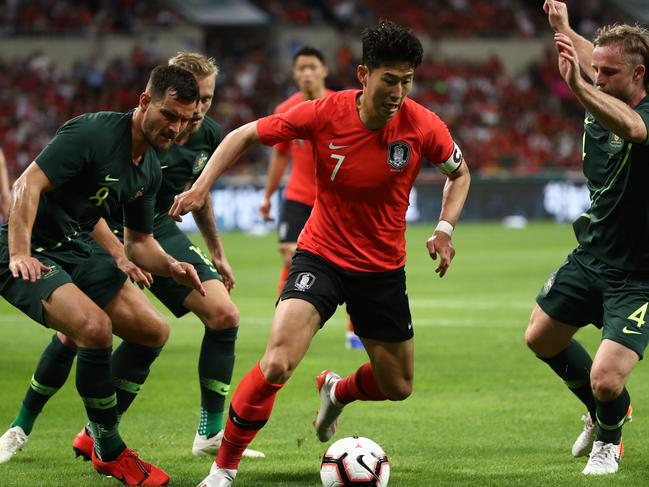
x,y
361,386
251,406
282,279
350,325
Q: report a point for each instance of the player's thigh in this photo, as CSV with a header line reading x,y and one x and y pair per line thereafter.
x,y
135,319
216,309
69,310
287,250
295,323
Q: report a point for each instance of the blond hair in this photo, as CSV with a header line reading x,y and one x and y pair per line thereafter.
x,y
198,64
633,41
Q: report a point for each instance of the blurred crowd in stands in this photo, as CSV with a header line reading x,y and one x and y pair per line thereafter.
x,y
523,123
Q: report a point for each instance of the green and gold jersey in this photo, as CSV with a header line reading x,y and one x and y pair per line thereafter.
x,y
89,163
182,164
615,228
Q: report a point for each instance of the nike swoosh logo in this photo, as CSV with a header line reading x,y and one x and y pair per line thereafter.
x,y
334,147
108,178
632,332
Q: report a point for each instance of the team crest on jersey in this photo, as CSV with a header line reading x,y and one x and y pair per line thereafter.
x,y
304,281
398,155
615,142
200,161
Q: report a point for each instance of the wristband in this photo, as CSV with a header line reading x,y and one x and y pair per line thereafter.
x,y
444,227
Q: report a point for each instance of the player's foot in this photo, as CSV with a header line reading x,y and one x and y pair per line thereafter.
x,y
326,421
11,441
353,342
83,445
604,458
584,442
130,469
209,447
218,477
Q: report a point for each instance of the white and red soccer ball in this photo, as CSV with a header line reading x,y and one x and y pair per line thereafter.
x,y
355,461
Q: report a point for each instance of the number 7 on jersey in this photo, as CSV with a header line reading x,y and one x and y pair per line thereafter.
x,y
340,160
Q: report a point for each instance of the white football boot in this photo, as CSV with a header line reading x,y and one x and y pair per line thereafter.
x,y
604,458
10,442
209,447
326,421
584,442
218,477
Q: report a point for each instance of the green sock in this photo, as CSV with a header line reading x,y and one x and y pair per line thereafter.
x,y
131,364
95,386
51,373
573,366
215,366
610,418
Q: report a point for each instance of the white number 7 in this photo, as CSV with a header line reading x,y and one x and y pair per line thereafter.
x,y
340,160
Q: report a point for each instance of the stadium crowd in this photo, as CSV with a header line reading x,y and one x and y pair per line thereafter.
x,y
523,123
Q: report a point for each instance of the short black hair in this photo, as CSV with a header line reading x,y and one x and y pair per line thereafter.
x,y
309,51
179,80
389,43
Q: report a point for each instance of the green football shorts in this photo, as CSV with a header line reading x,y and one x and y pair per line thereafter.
x,y
176,244
93,272
585,290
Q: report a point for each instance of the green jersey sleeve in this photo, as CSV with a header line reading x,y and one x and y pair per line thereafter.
x,y
138,213
643,111
67,153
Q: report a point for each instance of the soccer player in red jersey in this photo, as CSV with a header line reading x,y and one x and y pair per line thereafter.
x,y
369,145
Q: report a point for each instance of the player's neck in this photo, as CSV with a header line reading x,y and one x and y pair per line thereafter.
x,y
369,119
312,95
139,143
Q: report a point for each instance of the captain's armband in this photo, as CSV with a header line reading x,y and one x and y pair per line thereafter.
x,y
452,164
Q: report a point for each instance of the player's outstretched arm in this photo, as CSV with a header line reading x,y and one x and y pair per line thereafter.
x,y
225,155
557,13
614,114
144,251
24,205
455,193
276,168
204,218
111,244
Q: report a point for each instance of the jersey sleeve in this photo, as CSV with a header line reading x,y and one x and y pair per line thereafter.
x,y
297,123
138,214
438,143
67,153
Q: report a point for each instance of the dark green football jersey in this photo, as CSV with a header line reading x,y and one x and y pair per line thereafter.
x,y
615,228
182,164
89,163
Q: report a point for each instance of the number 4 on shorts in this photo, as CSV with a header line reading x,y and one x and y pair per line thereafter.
x,y
638,315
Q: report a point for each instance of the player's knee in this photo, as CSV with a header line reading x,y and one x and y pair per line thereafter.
x,y
65,340
96,331
606,386
534,340
277,368
159,332
397,390
222,316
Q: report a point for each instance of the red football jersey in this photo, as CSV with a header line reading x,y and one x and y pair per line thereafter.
x,y
300,186
363,177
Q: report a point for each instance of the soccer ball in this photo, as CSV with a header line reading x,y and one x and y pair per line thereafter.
x,y
355,461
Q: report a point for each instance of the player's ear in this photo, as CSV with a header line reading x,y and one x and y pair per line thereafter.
x,y
145,100
639,72
362,72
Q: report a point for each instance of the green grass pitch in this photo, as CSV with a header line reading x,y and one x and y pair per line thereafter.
x,y
484,411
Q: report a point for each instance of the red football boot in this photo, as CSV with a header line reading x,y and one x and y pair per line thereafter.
x,y
130,469
83,445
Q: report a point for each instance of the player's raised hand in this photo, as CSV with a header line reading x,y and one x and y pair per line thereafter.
x,y
185,274
136,274
27,268
190,200
568,59
223,267
440,243
557,15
